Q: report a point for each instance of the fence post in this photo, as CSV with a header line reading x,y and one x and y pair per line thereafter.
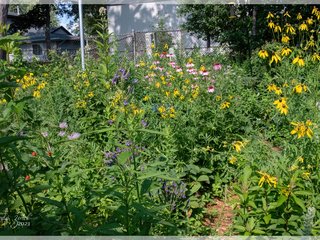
x,y
134,45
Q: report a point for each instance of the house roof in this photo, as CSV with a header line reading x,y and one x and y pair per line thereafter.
x,y
56,34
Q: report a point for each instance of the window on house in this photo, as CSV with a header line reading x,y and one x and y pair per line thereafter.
x,y
36,49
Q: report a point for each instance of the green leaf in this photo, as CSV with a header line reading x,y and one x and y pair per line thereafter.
x,y
194,204
51,201
304,193
123,157
299,202
8,85
195,187
203,178
150,131
267,218
239,228
10,139
281,200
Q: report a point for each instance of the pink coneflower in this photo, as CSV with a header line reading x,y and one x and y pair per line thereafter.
x,y
210,89
173,64
179,69
169,55
156,62
189,65
204,73
217,66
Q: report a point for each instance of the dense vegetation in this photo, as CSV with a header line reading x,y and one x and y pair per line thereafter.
x,y
141,149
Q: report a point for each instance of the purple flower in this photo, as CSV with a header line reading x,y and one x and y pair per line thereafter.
x,y
61,133
144,123
63,125
125,103
45,134
74,136
110,122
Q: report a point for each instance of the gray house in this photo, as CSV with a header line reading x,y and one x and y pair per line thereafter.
x,y
61,41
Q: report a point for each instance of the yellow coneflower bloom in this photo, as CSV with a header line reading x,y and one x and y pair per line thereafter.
x,y
290,29
299,16
277,28
303,27
274,58
286,14
238,145
270,15
300,88
309,21
233,160
271,25
263,54
225,105
314,10
299,61
286,52
146,98
36,94
285,39
161,109
300,159
315,57
306,175
277,91
272,87
281,105
302,129
266,178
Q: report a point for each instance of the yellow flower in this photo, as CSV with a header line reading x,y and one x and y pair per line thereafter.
x,y
225,105
86,83
306,175
81,104
286,14
181,97
274,58
238,145
314,10
286,52
146,98
281,105
167,93
158,85
152,46
293,168
161,109
299,16
176,92
303,27
3,101
266,178
299,61
272,87
90,94
172,112
299,88
285,39
278,91
142,64
233,160
36,94
310,21
290,29
218,98
271,25
263,54
315,57
302,129
277,28
270,15
166,46
300,159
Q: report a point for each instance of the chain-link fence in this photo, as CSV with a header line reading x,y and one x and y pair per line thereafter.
x,y
140,43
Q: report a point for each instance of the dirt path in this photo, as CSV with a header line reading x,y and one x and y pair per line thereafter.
x,y
223,214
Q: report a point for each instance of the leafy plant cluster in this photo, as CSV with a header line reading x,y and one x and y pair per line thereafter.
x,y
141,149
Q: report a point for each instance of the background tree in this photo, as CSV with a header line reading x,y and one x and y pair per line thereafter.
x,y
3,19
242,27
